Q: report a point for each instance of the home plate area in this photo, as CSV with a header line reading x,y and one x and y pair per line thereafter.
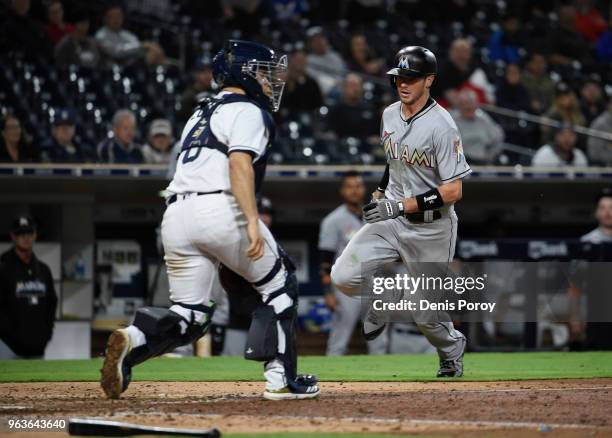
x,y
567,407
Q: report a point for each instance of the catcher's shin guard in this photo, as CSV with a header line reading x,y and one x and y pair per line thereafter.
x,y
166,329
272,335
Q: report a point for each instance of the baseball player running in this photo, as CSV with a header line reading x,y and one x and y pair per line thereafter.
x,y
412,217
336,230
211,217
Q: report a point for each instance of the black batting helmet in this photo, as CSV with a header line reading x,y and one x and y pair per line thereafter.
x,y
413,62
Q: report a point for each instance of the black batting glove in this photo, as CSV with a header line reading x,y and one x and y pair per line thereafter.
x,y
382,210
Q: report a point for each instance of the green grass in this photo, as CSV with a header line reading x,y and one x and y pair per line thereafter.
x,y
478,367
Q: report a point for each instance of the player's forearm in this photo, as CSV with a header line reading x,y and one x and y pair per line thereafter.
x,y
242,179
450,193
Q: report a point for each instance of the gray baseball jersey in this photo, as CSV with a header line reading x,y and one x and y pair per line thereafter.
x,y
596,236
423,152
337,229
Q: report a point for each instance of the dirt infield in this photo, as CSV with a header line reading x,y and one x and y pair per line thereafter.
x,y
578,407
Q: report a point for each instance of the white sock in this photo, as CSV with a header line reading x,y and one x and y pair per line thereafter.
x,y
137,337
274,372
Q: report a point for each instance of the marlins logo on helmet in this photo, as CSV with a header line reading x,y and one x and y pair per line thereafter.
x,y
403,62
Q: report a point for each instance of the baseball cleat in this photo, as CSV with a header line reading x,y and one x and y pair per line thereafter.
x,y
288,393
116,374
452,368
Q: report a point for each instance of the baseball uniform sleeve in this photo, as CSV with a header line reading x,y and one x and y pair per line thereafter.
x,y
449,154
248,133
328,235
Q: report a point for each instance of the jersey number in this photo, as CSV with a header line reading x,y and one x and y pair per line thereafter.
x,y
189,156
193,140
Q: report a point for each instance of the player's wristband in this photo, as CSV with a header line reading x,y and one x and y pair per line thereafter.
x,y
400,205
430,200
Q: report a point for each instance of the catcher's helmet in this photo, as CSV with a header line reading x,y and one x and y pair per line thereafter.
x,y
413,62
253,67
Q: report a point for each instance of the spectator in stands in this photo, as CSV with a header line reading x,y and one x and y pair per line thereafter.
x,y
565,108
14,148
540,86
21,34
324,64
512,94
78,48
302,93
362,58
604,44
123,47
158,149
480,134
243,14
592,101
61,147
504,44
459,72
600,150
120,148
352,117
565,43
562,152
288,10
365,11
57,29
589,21
200,87
27,296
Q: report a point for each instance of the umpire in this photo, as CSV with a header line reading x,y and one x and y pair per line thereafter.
x,y
27,296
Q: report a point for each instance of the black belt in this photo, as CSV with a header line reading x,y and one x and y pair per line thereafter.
x,y
421,216
172,199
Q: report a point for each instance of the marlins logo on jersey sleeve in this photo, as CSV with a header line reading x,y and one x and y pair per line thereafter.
x,y
423,152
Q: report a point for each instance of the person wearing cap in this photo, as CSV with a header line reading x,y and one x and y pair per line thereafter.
x,y
200,87
563,150
27,296
78,48
324,64
61,147
158,149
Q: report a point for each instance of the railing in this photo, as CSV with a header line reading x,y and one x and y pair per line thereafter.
x,y
320,172
546,121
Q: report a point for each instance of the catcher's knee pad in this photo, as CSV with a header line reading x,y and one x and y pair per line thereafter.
x,y
166,329
273,328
